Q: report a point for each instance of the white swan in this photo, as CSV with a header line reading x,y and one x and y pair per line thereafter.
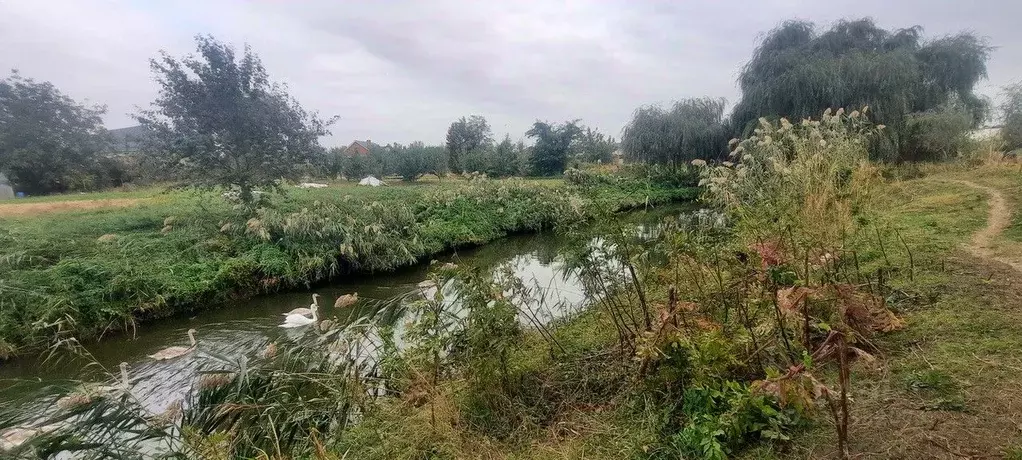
x,y
300,320
305,311
174,352
125,381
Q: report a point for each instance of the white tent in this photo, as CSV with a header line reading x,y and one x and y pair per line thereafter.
x,y
371,181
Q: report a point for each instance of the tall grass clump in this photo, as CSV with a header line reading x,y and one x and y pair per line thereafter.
x,y
811,181
803,199
290,401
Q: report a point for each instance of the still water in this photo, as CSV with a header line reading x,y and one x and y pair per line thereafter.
x,y
244,328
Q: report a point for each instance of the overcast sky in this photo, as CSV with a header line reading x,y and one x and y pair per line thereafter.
x,y
402,71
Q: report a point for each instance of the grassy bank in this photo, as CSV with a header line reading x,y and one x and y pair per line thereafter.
x,y
87,272
946,385
825,313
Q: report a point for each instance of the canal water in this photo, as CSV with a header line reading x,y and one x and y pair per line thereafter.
x,y
244,328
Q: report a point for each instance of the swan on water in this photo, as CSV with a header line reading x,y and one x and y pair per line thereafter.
x,y
346,300
174,352
125,381
305,311
294,320
270,351
13,438
88,392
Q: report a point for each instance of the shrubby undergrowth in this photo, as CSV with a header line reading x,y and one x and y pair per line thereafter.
x,y
704,335
86,273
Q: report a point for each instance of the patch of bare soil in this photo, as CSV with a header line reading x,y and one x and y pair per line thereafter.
x,y
891,425
973,342
29,209
998,220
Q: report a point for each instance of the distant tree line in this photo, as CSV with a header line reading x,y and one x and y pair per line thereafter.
x,y
49,142
219,120
921,90
1011,110
470,148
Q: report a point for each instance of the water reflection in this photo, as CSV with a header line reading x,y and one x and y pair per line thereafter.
x,y
244,328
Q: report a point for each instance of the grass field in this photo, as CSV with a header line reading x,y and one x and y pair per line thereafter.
x,y
947,385
102,262
944,386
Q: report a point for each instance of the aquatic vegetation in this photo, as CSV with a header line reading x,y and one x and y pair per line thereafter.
x,y
702,336
60,277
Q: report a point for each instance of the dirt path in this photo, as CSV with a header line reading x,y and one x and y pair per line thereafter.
x,y
24,209
998,220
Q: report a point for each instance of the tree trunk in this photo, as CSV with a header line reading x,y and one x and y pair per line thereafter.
x,y
246,193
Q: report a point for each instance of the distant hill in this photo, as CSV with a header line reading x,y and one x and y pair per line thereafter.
x,y
126,140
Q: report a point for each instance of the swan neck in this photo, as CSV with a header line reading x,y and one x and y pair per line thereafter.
x,y
124,377
191,337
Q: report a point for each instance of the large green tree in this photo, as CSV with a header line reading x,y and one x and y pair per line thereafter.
x,y
504,159
797,72
594,147
48,141
467,136
417,159
219,120
550,154
690,129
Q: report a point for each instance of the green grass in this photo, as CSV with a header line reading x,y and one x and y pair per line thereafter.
x,y
143,192
946,383
83,272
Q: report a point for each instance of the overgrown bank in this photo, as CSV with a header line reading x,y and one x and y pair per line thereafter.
x,y
86,273
823,311
705,337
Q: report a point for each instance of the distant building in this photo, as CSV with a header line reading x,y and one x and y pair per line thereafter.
x,y
126,140
6,192
358,148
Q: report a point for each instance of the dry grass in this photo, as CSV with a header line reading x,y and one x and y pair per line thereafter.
x,y
949,385
49,207
967,339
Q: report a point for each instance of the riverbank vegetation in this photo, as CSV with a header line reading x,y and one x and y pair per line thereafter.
x,y
820,301
87,273
703,337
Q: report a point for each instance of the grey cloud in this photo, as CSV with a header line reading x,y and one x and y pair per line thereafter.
x,y
403,70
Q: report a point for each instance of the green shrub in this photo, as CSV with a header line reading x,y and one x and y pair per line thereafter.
x,y
723,417
936,135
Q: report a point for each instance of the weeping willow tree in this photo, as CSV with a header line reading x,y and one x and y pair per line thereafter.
x,y
1011,110
797,72
692,128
